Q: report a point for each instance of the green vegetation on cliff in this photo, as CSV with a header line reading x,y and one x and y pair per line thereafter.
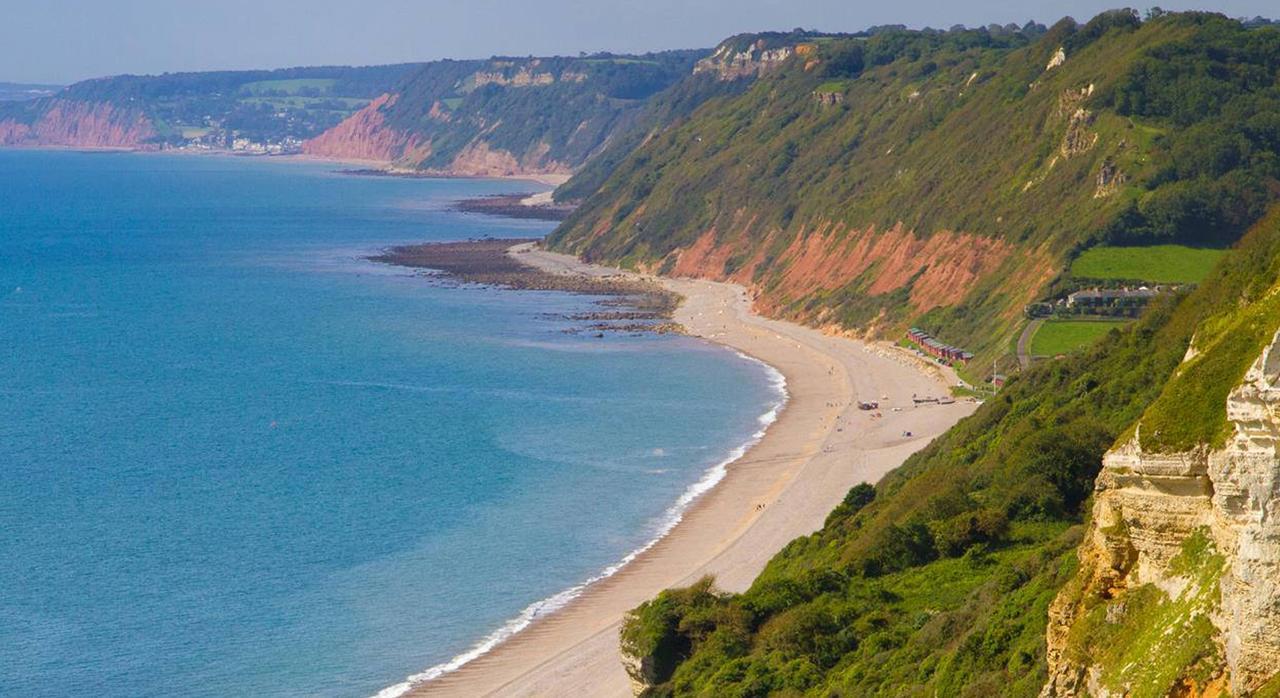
x,y
1152,639
664,110
545,113
999,158
1189,411
938,580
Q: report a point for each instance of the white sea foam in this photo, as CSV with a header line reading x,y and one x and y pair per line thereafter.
x,y
670,518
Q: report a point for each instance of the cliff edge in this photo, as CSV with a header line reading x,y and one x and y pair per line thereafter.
x,y
1176,592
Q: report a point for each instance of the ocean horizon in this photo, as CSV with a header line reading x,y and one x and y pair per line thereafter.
x,y
240,458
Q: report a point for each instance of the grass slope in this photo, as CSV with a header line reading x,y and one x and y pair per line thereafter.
x,y
1189,411
1154,263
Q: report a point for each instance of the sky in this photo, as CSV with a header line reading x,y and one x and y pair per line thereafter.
x,y
61,41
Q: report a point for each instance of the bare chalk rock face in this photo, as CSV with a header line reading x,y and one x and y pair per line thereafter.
x,y
1181,563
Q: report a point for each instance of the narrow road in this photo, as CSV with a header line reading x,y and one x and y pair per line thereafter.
x,y
1024,343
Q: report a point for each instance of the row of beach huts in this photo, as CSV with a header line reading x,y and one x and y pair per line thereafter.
x,y
938,350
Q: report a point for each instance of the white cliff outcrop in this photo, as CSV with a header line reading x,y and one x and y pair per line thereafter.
x,y
1147,507
729,64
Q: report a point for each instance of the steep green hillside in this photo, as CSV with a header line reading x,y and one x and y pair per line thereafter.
x,y
944,179
506,114
937,581
726,73
663,111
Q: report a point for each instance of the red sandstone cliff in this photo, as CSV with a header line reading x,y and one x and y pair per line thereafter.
x,y
363,136
79,124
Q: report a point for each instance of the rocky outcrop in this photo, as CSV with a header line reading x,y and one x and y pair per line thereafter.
x,y
828,98
1079,138
1109,180
1059,57
524,77
79,124
730,64
478,159
1246,477
1147,507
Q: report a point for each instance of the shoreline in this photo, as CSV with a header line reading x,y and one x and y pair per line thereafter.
x,y
671,517
787,480
375,168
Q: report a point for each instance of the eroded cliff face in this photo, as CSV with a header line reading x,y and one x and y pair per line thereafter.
x,y
77,124
937,270
362,136
730,64
1179,587
366,136
478,159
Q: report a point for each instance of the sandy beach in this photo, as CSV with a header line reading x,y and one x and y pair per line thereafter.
x,y
783,487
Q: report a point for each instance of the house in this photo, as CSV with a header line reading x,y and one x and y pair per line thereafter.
x,y
1094,298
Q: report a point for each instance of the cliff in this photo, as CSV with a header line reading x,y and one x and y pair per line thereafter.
x,y
362,136
504,116
936,179
731,63
251,110
71,123
1176,590
1181,562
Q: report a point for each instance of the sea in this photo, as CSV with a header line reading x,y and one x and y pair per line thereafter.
x,y
239,459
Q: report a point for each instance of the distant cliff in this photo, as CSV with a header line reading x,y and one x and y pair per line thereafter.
x,y
361,136
750,55
71,123
262,111
505,115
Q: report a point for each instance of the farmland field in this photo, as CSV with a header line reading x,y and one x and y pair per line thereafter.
x,y
1157,263
1063,336
291,87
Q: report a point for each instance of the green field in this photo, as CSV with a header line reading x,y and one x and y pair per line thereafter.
x,y
352,103
621,61
1157,263
1064,336
291,87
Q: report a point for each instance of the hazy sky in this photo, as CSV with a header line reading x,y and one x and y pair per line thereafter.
x,y
66,40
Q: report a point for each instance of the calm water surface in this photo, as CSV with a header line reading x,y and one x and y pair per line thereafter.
x,y
236,459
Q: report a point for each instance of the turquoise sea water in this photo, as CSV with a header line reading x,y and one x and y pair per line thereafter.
x,y
236,459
